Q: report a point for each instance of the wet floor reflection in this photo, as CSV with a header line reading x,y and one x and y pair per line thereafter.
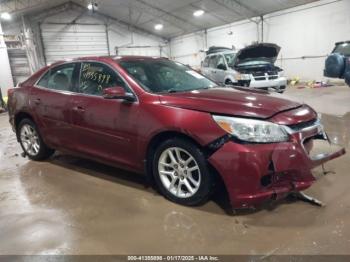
x,y
75,206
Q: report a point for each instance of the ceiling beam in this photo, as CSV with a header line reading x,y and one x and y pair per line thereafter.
x,y
18,7
128,26
159,13
212,13
238,8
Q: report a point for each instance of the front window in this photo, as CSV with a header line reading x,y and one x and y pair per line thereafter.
x,y
230,57
164,76
94,77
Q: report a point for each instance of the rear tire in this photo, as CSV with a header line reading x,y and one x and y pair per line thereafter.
x,y
31,141
181,172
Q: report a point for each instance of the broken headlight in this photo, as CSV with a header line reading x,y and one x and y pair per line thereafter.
x,y
251,130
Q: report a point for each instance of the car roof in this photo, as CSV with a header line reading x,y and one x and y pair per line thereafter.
x,y
104,58
223,52
342,42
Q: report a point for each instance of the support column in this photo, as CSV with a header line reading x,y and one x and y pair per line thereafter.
x,y
31,48
6,80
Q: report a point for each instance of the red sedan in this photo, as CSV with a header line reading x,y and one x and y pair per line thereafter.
x,y
155,116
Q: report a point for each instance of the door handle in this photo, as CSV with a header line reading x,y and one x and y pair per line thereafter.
x,y
79,109
37,101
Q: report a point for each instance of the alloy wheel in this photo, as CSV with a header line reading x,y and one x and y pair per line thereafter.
x,y
179,172
30,140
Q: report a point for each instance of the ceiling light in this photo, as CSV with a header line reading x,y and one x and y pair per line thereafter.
x,y
198,13
6,16
158,27
92,6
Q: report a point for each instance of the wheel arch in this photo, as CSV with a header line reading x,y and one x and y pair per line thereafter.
x,y
229,78
19,117
163,136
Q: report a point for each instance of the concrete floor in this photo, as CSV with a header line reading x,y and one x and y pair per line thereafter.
x,y
74,206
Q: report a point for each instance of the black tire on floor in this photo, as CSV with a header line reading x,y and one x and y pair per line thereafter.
x,y
207,181
335,65
228,82
44,151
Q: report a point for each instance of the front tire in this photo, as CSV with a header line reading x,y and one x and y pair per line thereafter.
x,y
31,141
181,172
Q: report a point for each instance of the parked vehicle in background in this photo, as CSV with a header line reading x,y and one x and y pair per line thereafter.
x,y
155,116
252,66
337,64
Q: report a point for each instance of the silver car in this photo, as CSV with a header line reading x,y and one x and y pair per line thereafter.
x,y
252,66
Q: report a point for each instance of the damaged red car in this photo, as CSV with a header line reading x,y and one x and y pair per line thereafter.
x,y
159,117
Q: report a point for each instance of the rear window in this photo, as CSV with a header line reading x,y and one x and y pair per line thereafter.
x,y
343,49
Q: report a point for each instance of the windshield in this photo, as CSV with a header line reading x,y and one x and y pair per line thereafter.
x,y
165,76
343,49
230,57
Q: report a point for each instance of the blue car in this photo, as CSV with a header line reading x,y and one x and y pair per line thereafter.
x,y
338,62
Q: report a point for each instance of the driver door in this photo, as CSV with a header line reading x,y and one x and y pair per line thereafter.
x,y
105,128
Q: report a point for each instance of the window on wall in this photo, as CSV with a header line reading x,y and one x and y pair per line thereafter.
x,y
95,77
58,78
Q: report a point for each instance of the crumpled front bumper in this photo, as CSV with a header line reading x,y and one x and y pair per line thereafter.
x,y
254,173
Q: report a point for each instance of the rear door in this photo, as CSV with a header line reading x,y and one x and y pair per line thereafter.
x,y
220,69
205,67
50,101
212,67
104,128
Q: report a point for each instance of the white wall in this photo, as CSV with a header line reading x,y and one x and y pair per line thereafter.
x,y
308,30
188,49
6,81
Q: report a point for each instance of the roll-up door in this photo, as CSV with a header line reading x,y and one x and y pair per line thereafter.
x,y
65,41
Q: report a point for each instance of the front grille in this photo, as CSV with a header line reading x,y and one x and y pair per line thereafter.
x,y
259,74
272,73
300,126
260,78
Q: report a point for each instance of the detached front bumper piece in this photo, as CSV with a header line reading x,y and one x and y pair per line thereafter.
x,y
254,173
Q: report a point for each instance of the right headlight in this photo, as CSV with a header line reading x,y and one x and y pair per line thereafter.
x,y
251,130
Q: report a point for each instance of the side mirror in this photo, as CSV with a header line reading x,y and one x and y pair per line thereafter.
x,y
221,67
117,92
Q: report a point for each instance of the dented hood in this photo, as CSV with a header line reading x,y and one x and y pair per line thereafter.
x,y
260,52
230,101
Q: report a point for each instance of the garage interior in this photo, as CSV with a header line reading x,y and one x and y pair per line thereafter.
x,y
73,206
